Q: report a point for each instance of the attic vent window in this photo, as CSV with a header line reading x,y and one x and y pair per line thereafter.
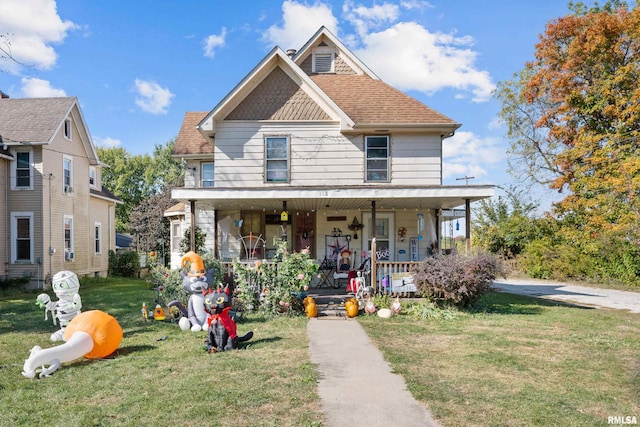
x,y
323,60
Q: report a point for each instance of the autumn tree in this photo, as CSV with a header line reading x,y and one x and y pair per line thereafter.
x,y
150,225
573,116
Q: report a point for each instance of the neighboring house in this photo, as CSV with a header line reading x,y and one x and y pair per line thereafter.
x,y
310,147
55,213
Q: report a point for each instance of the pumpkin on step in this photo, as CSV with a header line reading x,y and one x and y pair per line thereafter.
x,y
311,308
351,306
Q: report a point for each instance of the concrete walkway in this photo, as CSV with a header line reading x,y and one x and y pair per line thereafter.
x,y
573,294
357,387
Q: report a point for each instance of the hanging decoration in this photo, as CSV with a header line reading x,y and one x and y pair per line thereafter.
x,y
355,226
420,225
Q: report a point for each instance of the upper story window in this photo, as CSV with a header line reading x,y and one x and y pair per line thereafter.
x,y
67,174
377,167
67,129
92,177
277,158
206,170
23,170
323,60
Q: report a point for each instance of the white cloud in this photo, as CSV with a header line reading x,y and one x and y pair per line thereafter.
x,y
152,98
214,41
38,88
300,22
107,142
465,154
410,57
29,29
364,18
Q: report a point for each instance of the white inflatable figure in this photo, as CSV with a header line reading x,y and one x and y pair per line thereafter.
x,y
66,287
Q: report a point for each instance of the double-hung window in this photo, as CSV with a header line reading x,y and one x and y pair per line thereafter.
x,y
276,158
22,242
69,254
97,237
377,167
207,174
23,170
67,174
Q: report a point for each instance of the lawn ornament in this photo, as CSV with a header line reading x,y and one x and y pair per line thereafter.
x,y
385,313
195,282
352,307
222,332
93,334
396,307
65,285
158,313
370,307
311,309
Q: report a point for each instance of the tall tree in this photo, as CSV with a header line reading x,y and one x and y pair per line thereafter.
x,y
581,90
135,178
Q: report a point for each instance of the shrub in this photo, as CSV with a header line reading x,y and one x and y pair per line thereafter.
x,y
124,264
455,279
276,287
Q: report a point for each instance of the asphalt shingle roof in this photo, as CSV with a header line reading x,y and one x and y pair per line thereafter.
x,y
190,140
32,119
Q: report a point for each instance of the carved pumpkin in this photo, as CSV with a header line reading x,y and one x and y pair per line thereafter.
x,y
311,309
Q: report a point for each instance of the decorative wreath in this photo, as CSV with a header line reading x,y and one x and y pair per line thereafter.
x,y
402,231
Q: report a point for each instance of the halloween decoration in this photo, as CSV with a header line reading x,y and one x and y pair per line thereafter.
x,y
158,313
221,334
396,307
370,307
65,285
352,307
195,282
311,309
93,334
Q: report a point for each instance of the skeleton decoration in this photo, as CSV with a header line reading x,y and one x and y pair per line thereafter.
x,y
65,286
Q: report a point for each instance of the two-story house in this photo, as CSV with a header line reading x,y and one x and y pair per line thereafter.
x,y
55,215
313,148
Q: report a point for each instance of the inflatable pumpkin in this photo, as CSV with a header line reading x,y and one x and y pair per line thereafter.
x,y
105,331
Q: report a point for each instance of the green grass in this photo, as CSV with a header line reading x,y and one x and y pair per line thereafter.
x,y
151,382
515,362
518,362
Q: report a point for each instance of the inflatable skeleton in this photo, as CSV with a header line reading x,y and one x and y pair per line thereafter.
x,y
65,286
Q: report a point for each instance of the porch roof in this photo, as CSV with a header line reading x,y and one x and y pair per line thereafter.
x,y
329,199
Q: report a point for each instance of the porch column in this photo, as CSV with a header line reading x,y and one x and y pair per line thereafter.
x,y
467,221
374,274
193,224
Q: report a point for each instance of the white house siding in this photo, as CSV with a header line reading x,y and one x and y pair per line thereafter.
x,y
415,159
102,212
4,215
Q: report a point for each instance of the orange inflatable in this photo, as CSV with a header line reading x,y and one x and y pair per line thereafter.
x,y
103,329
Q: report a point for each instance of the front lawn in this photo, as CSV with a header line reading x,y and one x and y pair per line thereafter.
x,y
160,375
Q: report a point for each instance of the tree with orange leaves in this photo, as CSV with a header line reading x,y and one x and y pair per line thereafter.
x,y
573,118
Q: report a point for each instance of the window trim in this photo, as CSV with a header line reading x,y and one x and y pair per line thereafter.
x,y
367,158
97,238
209,182
267,160
67,129
15,216
70,250
176,235
67,188
14,169
93,175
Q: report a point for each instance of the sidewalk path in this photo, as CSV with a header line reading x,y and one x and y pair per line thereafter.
x,y
357,387
575,294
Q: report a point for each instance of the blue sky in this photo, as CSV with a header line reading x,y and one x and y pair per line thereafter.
x,y
138,66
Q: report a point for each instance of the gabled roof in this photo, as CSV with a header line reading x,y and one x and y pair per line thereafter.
x,y
36,121
189,140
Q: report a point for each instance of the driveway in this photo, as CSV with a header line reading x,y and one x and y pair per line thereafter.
x,y
569,293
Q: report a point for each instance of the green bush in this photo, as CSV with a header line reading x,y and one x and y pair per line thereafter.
x,y
456,279
275,287
124,264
